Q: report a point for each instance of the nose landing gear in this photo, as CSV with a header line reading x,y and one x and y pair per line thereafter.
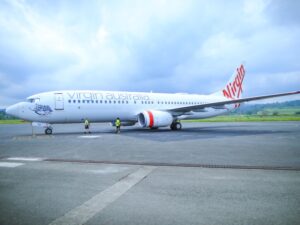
x,y
48,130
47,126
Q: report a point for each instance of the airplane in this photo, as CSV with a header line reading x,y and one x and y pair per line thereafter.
x,y
151,110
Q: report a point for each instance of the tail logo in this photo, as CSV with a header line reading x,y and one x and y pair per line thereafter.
x,y
234,90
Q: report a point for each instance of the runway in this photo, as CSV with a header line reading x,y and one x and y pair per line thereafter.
x,y
208,173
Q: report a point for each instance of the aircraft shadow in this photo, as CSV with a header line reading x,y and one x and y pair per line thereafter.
x,y
196,133
166,135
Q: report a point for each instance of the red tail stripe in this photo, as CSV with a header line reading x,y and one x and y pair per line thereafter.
x,y
151,119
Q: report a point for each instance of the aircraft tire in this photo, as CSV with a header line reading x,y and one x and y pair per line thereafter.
x,y
172,126
177,126
48,131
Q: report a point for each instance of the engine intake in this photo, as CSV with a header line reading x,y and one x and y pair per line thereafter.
x,y
155,119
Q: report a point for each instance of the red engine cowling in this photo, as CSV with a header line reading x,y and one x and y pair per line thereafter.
x,y
155,119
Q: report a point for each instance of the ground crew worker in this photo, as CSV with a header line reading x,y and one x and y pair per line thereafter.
x,y
87,126
118,125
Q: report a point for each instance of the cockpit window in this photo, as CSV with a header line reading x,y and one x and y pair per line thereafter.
x,y
33,100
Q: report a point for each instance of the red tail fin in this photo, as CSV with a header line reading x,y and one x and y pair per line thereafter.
x,y
234,87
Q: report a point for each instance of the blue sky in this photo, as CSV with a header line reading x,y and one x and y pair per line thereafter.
x,y
161,46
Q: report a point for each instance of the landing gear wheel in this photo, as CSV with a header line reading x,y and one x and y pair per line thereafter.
x,y
172,126
48,131
176,126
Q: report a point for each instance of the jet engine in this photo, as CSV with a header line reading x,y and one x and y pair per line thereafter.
x,y
154,119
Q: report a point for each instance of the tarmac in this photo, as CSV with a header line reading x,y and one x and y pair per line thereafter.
x,y
207,173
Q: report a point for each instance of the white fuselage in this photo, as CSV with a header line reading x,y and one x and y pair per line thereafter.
x,y
105,106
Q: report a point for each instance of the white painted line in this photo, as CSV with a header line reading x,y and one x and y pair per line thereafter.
x,y
109,170
10,165
81,214
89,136
24,159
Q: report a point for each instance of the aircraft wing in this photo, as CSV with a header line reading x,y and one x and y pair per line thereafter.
x,y
227,102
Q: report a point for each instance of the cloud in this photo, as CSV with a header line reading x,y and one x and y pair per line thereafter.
x,y
159,45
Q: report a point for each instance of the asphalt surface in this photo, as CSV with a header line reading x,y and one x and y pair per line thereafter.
x,y
151,176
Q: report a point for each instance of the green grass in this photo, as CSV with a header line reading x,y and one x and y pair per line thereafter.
x,y
12,121
268,114
246,118
281,111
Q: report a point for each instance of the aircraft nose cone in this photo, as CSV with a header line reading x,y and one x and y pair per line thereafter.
x,y
12,110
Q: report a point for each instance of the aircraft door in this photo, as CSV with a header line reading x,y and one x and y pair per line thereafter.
x,y
59,101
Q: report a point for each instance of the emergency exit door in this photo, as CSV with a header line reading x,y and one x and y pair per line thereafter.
x,y
59,101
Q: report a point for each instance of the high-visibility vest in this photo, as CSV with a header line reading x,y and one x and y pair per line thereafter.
x,y
118,123
86,122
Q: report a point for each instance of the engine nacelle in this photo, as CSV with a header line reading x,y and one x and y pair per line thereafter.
x,y
155,119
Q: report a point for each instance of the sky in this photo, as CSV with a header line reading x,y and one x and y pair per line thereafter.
x,y
176,46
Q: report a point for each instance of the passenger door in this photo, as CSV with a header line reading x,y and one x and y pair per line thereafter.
x,y
59,101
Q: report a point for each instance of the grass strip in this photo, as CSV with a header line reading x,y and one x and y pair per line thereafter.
x,y
244,118
12,122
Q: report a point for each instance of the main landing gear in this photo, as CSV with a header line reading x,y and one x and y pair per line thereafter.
x,y
176,125
48,130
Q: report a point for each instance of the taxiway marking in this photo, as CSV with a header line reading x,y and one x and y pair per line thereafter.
x,y
89,136
81,214
10,164
29,159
